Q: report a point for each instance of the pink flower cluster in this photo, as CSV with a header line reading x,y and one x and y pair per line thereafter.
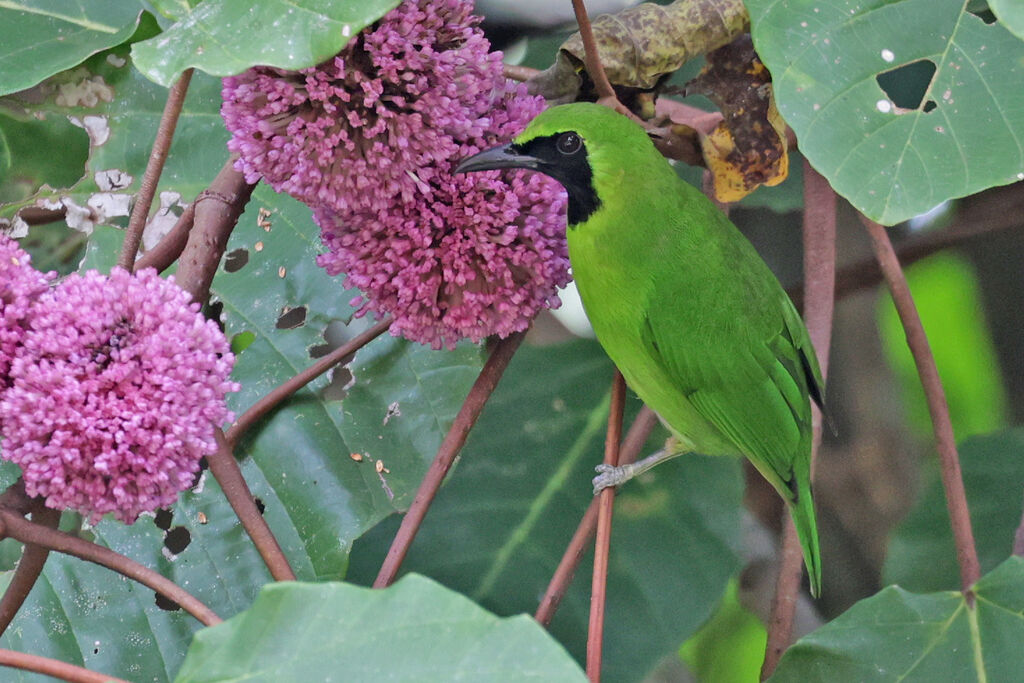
x,y
115,388
20,286
369,139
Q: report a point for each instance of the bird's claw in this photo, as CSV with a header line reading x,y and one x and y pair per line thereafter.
x,y
608,476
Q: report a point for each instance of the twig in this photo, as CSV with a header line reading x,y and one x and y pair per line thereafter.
x,y
30,566
938,409
217,209
170,247
638,432
228,474
819,231
154,167
471,408
602,543
53,667
592,61
14,526
289,387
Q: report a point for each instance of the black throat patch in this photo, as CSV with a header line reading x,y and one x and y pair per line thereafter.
x,y
572,170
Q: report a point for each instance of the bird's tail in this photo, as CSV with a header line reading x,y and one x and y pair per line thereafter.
x,y
802,509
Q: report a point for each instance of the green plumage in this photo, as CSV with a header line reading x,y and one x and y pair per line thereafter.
x,y
682,303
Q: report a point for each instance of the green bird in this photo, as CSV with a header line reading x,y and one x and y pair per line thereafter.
x,y
682,303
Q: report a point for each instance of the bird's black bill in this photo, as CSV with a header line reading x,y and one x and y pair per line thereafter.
x,y
507,156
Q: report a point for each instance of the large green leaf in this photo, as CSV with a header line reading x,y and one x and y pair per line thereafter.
x,y
415,630
43,37
228,37
891,162
1011,14
901,636
498,529
921,552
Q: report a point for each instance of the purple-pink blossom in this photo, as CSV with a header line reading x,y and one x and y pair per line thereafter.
x,y
116,388
20,286
369,139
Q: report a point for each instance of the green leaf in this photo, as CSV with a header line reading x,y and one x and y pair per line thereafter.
x,y
894,160
498,528
415,630
1011,14
228,37
729,648
901,636
44,37
921,555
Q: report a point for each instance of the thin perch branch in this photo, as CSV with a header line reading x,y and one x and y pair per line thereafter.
x,y
471,408
638,432
819,232
154,167
602,543
938,409
30,566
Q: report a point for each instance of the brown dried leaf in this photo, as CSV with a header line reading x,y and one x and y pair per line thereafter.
x,y
748,148
641,44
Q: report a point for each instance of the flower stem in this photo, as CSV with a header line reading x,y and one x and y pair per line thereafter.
x,y
170,247
154,167
12,525
228,474
289,387
938,409
471,408
602,543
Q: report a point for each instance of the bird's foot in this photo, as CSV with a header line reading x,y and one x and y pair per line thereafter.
x,y
609,475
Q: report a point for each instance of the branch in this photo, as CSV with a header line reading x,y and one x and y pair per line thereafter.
x,y
819,231
602,544
471,408
53,667
154,167
30,566
591,57
217,209
938,409
641,428
520,73
170,247
228,474
14,526
282,392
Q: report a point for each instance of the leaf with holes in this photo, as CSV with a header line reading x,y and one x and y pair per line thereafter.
x,y
893,153
395,414
498,529
901,636
43,37
414,630
228,37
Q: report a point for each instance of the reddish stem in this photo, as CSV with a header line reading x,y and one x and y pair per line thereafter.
x,y
154,167
819,231
53,667
602,544
938,409
170,247
282,392
30,566
628,452
14,526
450,447
228,474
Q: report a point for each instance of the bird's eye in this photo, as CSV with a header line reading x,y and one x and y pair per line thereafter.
x,y
568,143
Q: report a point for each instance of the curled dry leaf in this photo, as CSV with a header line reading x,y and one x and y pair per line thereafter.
x,y
747,148
640,45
